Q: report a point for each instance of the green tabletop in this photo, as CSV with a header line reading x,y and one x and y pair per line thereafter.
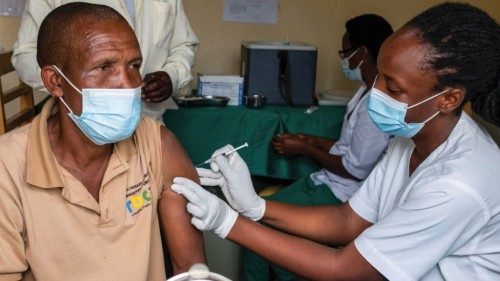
x,y
203,130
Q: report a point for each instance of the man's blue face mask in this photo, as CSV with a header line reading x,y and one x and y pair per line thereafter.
x,y
389,114
108,115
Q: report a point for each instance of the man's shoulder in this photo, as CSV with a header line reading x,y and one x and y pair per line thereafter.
x,y
148,123
148,138
148,128
155,131
15,142
13,157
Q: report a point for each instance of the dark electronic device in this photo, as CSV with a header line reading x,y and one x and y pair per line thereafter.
x,y
285,73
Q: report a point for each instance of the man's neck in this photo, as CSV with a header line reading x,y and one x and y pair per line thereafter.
x,y
85,160
68,141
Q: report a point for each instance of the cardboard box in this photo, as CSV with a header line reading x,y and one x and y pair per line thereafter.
x,y
230,86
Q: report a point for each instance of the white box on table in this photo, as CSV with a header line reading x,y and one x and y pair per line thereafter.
x,y
230,86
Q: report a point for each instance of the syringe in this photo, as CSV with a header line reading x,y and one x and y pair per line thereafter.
x,y
227,153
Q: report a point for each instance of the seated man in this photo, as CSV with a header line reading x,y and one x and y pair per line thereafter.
x,y
82,185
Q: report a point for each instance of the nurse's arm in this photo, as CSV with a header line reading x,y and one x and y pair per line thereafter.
x,y
301,256
184,241
320,142
331,225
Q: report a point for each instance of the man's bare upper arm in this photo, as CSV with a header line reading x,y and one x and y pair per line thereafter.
x,y
175,220
176,162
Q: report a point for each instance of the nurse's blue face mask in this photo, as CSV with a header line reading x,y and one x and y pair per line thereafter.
x,y
108,115
389,114
351,74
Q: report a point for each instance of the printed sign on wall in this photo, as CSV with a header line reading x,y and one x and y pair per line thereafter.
x,y
256,11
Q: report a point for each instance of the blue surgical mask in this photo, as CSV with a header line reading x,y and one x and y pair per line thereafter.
x,y
389,114
108,115
351,74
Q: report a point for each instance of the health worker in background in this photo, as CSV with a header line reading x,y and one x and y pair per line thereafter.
x,y
430,209
167,42
82,192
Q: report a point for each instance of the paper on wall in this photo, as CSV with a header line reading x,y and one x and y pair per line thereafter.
x,y
256,11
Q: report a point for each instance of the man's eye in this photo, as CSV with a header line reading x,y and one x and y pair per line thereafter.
x,y
136,65
104,67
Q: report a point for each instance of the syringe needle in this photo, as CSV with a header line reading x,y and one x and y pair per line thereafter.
x,y
227,153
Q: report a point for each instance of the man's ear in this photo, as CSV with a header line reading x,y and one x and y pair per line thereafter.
x,y
452,99
52,80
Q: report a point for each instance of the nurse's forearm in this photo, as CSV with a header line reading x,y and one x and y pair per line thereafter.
x,y
296,254
304,258
332,225
323,143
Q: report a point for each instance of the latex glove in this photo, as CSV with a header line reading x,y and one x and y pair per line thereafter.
x,y
232,175
209,212
157,87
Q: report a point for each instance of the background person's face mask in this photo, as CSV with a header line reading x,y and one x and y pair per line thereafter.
x,y
108,115
351,74
389,114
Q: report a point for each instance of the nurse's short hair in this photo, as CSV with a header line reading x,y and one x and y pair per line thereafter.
x,y
56,37
368,30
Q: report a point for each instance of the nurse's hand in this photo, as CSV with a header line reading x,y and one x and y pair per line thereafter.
x,y
157,87
291,144
232,175
209,212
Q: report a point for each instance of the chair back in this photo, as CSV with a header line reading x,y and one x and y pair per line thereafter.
x,y
22,91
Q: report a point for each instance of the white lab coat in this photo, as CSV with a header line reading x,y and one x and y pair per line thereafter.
x,y
361,145
166,39
443,221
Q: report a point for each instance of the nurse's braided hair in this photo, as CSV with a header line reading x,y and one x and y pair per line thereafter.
x,y
464,50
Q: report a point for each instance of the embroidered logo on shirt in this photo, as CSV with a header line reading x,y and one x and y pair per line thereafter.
x,y
138,197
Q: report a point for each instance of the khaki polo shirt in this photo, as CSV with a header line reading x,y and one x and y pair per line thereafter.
x,y
51,228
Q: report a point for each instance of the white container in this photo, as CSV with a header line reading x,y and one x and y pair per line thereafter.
x,y
230,86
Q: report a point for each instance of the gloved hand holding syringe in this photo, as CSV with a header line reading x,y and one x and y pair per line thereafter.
x,y
233,177
227,153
